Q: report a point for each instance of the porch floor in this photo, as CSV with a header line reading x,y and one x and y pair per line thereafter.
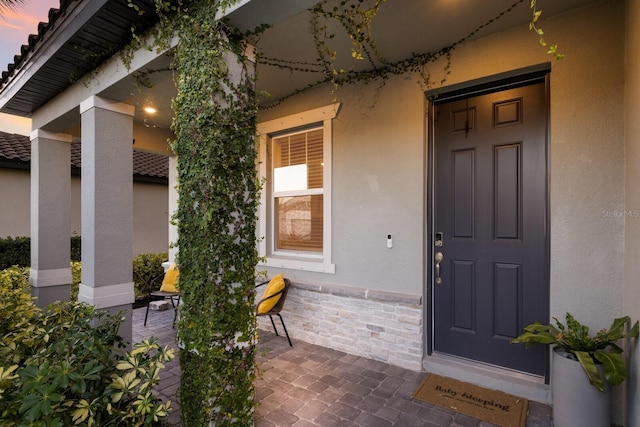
x,y
309,385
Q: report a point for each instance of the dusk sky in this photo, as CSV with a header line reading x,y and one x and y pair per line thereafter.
x,y
17,23
15,26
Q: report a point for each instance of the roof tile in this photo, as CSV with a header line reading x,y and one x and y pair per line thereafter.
x,y
18,147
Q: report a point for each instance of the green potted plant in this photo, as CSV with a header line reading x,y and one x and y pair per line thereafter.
x,y
574,340
580,398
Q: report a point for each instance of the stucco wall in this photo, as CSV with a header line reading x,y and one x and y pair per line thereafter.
x,y
14,191
150,207
378,156
587,168
379,163
632,202
150,218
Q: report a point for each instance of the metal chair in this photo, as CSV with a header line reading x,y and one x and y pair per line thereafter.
x,y
276,308
158,296
167,290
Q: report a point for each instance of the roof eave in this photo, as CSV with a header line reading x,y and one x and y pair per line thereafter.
x,y
76,15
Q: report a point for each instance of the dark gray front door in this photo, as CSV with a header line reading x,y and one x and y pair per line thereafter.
x,y
490,208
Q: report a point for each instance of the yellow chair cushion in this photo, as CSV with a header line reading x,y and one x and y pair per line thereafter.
x,y
170,279
276,284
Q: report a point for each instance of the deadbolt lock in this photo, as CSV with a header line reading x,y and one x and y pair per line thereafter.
x,y
438,240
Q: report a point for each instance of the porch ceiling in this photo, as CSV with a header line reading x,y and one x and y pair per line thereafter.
x,y
402,27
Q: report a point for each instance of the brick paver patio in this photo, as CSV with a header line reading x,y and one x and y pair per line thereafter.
x,y
309,385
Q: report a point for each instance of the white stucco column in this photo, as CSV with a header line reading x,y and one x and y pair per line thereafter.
x,y
50,272
107,207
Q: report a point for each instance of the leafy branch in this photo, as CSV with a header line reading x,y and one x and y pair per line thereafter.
x,y
553,49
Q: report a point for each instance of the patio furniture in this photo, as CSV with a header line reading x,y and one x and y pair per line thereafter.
x,y
168,290
273,299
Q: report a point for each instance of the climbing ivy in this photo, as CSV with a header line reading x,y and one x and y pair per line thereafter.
x,y
214,125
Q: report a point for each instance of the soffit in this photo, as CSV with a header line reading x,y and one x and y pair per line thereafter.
x,y
77,38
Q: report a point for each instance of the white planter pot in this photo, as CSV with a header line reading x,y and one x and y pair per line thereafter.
x,y
576,403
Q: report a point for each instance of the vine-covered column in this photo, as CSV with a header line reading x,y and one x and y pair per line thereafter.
x,y
215,125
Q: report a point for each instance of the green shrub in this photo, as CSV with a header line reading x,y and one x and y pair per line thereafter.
x,y
60,367
15,251
16,304
15,277
76,248
148,273
76,276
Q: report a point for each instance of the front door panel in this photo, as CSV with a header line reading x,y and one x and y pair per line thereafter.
x,y
490,204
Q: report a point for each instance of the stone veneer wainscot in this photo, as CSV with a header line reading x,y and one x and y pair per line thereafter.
x,y
385,326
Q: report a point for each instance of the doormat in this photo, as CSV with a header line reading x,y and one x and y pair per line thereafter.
x,y
493,406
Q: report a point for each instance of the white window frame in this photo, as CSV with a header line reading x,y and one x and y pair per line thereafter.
x,y
295,260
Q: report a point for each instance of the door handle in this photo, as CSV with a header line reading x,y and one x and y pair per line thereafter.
x,y
438,258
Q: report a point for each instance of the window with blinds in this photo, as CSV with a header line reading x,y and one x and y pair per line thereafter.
x,y
298,169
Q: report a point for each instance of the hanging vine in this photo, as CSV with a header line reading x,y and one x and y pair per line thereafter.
x,y
356,21
356,17
536,13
